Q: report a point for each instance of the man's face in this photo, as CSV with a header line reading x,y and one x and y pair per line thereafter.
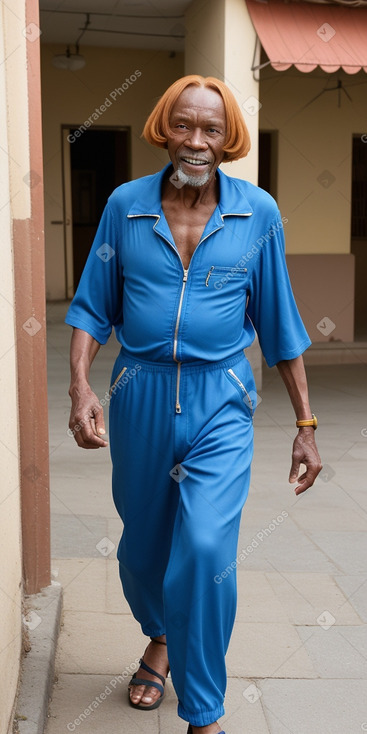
x,y
197,135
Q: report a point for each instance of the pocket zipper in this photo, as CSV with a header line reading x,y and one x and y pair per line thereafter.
x,y
227,272
208,276
117,379
241,385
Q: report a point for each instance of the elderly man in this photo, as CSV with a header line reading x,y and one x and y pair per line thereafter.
x,y
187,263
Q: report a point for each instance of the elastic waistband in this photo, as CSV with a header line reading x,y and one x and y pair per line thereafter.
x,y
129,360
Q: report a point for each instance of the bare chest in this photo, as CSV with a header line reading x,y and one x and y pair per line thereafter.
x,y
186,228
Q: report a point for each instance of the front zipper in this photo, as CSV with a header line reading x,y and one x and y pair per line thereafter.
x,y
241,385
184,281
117,379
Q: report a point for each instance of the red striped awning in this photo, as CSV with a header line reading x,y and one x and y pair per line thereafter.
x,y
307,35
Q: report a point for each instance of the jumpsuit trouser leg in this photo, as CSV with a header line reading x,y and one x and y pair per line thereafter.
x,y
179,484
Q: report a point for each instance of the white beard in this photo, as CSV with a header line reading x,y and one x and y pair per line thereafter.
x,y
192,180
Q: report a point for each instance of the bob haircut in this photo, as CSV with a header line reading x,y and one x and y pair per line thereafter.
x,y
156,128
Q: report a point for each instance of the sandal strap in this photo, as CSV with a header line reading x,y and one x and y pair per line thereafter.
x,y
145,682
159,642
151,671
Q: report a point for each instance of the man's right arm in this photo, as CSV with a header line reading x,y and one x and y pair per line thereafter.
x,y
86,416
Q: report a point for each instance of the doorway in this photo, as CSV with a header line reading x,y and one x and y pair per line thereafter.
x,y
359,234
93,165
268,161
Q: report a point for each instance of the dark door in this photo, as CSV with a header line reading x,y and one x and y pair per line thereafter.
x,y
359,234
99,162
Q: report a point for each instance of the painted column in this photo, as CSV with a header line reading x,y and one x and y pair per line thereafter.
x,y
220,42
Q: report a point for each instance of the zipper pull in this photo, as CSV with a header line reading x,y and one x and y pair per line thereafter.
x,y
208,276
186,272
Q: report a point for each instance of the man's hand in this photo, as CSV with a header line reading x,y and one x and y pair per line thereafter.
x,y
305,452
86,419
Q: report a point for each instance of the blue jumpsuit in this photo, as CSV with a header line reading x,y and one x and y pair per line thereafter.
x,y
182,400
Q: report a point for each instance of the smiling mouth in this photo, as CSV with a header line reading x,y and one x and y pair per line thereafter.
x,y
195,161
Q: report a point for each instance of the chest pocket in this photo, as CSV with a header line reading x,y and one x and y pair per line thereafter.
x,y
219,276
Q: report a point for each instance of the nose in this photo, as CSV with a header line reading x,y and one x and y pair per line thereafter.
x,y
196,139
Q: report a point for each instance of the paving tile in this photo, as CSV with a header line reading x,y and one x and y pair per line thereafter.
x,y
92,704
83,581
267,650
82,494
304,596
77,536
257,601
355,590
241,715
115,600
91,642
340,518
336,652
285,549
314,706
347,550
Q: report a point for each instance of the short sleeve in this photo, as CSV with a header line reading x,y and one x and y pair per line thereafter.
x,y
271,306
97,304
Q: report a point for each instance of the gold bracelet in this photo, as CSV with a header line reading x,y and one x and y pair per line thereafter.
x,y
312,422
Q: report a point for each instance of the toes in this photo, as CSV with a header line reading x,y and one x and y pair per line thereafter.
x,y
143,694
150,695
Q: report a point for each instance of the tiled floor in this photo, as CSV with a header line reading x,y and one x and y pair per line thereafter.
x,y
297,662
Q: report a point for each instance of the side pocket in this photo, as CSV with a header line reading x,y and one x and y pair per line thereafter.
x,y
116,381
246,398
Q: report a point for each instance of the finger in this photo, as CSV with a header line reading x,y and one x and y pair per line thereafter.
x,y
99,423
293,474
87,437
305,482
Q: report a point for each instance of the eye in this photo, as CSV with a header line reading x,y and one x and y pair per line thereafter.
x,y
213,130
182,126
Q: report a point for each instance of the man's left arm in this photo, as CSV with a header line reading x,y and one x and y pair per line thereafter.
x,y
305,450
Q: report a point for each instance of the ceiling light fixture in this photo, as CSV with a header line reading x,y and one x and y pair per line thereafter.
x,y
72,61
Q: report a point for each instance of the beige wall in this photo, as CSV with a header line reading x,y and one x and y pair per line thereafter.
x,y
313,141
221,43
14,195
71,97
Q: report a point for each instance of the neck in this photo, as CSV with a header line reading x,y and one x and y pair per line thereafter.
x,y
193,196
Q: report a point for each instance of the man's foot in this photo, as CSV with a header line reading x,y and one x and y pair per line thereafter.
x,y
156,657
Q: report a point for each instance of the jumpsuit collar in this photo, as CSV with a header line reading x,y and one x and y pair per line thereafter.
x,y
232,202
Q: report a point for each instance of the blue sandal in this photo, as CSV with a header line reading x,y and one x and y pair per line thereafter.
x,y
189,731
145,682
